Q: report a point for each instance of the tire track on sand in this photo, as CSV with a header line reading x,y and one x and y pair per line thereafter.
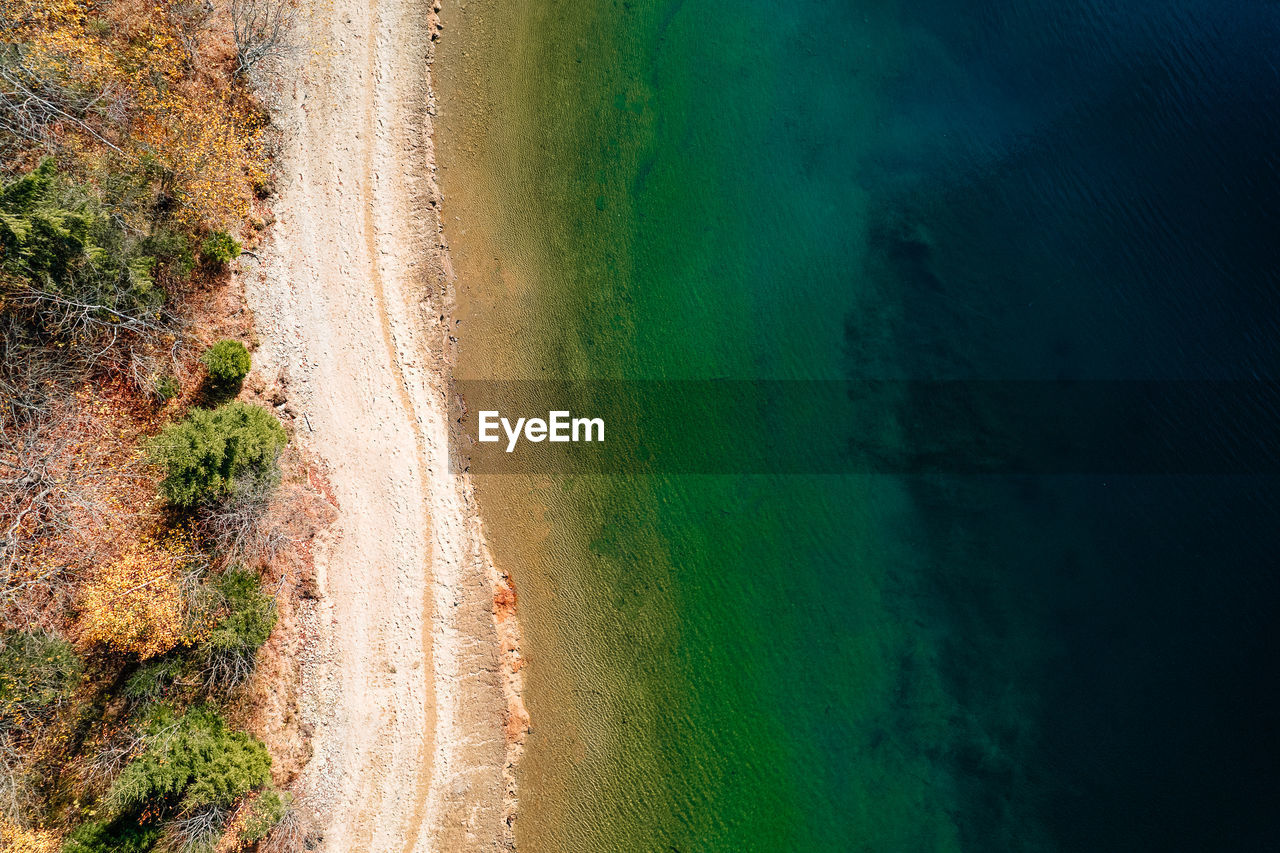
x,y
370,228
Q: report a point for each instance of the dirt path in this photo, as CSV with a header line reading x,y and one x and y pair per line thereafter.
x,y
414,683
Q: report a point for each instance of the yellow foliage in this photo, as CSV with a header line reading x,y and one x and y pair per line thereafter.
x,y
134,604
15,839
207,137
212,145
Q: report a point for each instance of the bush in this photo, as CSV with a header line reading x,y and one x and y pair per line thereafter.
x,y
263,813
122,836
152,679
191,763
207,452
173,250
166,388
227,362
219,248
37,671
231,648
133,604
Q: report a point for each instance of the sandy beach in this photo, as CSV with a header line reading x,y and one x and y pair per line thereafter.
x,y
412,689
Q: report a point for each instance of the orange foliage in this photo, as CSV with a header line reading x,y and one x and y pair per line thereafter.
x,y
15,839
207,137
134,604
212,144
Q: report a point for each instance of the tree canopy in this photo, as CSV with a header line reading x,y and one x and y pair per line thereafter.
x,y
191,761
208,451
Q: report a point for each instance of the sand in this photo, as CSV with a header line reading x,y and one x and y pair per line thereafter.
x,y
412,689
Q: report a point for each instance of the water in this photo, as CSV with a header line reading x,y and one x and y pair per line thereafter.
x,y
921,190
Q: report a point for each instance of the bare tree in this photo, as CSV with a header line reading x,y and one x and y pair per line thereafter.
x,y
190,20
102,323
263,31
66,478
250,526
34,101
194,832
227,669
51,476
292,834
112,757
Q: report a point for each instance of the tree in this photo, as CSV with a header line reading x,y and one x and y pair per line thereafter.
x,y
205,454
219,248
120,836
50,75
77,272
67,82
228,363
191,762
230,649
262,32
38,672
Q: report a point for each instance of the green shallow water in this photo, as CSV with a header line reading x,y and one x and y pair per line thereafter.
x,y
714,662
908,189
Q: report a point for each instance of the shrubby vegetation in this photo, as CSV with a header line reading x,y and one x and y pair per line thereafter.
x,y
38,672
262,815
120,836
219,248
74,269
209,451
134,603
131,150
228,363
245,621
18,839
191,761
153,680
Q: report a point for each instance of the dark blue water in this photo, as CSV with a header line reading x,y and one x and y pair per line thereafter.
x,y
1090,190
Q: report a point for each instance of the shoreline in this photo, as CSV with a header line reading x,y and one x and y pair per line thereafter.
x,y
414,693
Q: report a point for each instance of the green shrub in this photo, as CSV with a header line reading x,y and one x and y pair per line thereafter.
x,y
208,451
122,836
227,362
172,249
166,387
37,671
43,236
262,815
219,248
152,679
190,762
56,236
248,616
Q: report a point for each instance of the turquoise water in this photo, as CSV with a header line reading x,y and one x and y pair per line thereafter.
x,y
890,660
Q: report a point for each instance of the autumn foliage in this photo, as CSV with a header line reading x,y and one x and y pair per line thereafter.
x,y
134,604
16,839
135,526
118,78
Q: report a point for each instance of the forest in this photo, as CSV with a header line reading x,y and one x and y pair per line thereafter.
x,y
156,519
